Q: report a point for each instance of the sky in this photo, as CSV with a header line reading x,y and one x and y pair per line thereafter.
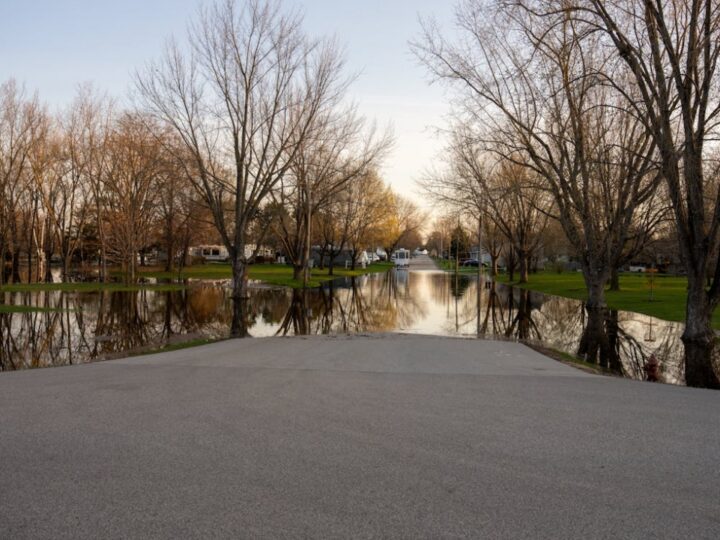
x,y
52,46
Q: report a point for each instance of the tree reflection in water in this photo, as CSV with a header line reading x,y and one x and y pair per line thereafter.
x,y
379,303
82,327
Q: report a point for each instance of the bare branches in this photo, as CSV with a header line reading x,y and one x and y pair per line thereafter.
x,y
532,94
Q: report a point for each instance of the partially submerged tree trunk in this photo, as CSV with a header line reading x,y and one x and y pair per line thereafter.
x,y
239,325
699,338
595,280
299,273
597,345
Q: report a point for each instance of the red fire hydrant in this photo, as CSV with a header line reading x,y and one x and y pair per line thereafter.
x,y
652,369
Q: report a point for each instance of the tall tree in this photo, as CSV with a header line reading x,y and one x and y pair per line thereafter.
x,y
402,219
530,94
244,102
671,49
21,121
133,169
337,152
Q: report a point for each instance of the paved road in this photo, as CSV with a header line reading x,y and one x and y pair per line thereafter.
x,y
422,262
382,436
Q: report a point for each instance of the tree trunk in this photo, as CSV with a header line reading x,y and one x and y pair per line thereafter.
x,y
524,315
48,270
16,266
523,262
615,279
595,283
239,327
30,264
698,337
306,240
594,345
4,275
299,272
65,267
170,250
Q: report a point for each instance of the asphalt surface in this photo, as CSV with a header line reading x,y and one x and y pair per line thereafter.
x,y
422,262
377,436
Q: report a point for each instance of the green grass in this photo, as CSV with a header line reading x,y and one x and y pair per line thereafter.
x,y
175,346
668,302
449,266
88,287
281,275
273,274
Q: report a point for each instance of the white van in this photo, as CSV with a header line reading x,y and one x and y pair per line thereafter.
x,y
401,258
212,253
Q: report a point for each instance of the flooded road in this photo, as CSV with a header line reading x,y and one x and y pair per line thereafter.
x,y
86,327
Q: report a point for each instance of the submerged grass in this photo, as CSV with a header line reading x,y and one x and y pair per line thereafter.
x,y
665,298
280,275
89,287
273,274
449,266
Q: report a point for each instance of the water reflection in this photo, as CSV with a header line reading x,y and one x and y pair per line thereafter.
x,y
83,327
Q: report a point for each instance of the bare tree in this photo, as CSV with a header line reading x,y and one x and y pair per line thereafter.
x,y
403,218
336,153
362,206
528,88
21,118
511,197
671,50
133,168
65,188
176,202
244,102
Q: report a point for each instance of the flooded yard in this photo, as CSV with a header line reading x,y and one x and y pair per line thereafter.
x,y
83,327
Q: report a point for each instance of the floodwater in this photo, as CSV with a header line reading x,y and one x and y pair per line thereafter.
x,y
86,327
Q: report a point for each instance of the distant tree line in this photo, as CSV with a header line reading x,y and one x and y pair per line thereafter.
x,y
242,135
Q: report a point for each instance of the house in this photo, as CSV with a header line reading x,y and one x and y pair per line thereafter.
x,y
219,253
211,253
341,259
486,258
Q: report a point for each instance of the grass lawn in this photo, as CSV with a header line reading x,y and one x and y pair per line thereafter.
x,y
88,287
449,266
267,273
274,274
669,293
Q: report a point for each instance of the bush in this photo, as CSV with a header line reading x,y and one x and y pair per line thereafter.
x,y
559,267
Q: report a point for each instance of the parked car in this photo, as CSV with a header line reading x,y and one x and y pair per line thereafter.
x,y
637,268
372,257
472,263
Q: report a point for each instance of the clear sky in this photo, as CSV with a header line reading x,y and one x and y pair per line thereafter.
x,y
53,45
